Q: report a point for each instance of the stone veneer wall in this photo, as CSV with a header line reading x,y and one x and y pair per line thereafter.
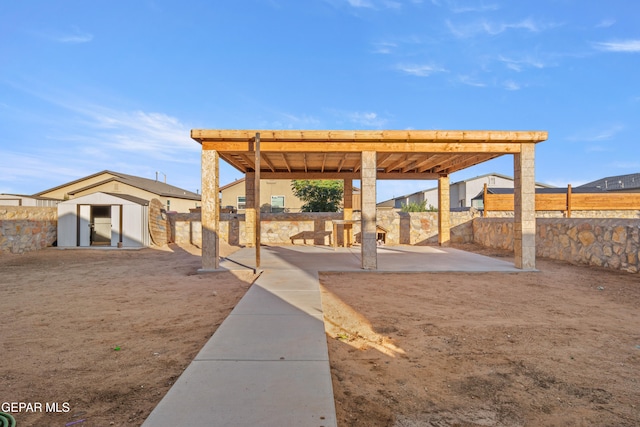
x,y
316,228
158,223
27,228
610,243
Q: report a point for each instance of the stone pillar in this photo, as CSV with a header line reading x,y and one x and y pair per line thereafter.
x,y
347,211
444,211
368,228
210,210
250,210
524,226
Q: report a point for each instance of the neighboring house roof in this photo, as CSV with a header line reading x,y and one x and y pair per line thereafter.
x,y
26,196
615,183
510,178
231,184
157,187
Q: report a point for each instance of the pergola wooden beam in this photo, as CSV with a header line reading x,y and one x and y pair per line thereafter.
x,y
286,163
430,162
344,159
380,175
266,160
357,147
342,136
395,164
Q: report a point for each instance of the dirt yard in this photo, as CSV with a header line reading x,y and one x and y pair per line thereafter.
x,y
104,334
560,347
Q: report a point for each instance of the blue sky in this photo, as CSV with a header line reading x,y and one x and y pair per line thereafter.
x,y
93,85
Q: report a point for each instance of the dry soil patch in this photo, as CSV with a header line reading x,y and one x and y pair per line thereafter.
x,y
559,347
105,332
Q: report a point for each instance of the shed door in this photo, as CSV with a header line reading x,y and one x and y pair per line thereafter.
x,y
116,224
101,225
84,225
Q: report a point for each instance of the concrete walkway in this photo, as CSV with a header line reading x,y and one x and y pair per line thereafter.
x,y
268,364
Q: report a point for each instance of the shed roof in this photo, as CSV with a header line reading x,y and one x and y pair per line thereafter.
x,y
102,197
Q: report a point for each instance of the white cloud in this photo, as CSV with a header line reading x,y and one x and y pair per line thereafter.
x,y
520,64
424,70
477,8
605,134
596,149
470,81
511,85
152,134
20,166
360,3
625,165
156,135
594,134
390,4
361,119
606,23
76,36
367,4
384,48
620,46
292,121
369,119
492,28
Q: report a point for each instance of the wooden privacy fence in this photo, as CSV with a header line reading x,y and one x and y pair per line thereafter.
x,y
566,202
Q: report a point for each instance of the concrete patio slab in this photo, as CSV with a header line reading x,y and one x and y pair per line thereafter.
x,y
288,280
249,393
268,337
268,364
258,300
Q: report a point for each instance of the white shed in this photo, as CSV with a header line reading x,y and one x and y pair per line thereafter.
x,y
103,219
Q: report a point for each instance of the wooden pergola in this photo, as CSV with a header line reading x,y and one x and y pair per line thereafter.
x,y
367,156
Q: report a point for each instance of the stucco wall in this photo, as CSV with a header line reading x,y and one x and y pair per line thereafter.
x,y
26,228
268,188
610,243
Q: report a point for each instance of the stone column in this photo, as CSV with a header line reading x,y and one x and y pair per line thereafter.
x,y
444,208
210,210
250,210
368,228
347,211
524,226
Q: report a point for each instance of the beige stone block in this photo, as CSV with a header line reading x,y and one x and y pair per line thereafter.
x,y
586,237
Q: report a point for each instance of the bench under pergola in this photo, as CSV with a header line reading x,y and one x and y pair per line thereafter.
x,y
367,156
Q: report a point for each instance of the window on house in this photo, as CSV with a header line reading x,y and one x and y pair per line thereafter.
x,y
168,205
242,203
492,180
277,203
